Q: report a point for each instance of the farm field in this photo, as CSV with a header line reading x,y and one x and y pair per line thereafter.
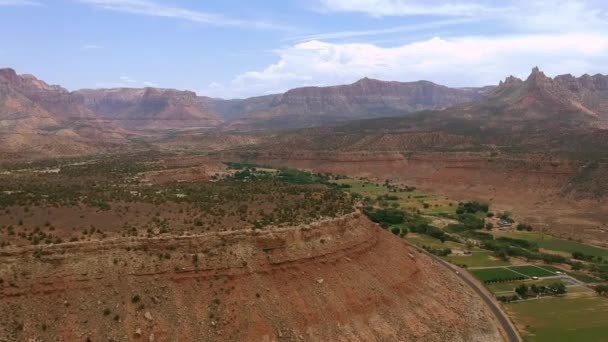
x,y
509,273
495,274
560,245
580,316
532,271
479,258
585,278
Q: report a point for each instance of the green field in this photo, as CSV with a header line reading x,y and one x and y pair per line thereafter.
x,y
495,274
552,268
532,271
510,273
577,317
476,259
583,277
560,245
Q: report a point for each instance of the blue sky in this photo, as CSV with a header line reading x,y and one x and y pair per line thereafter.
x,y
238,48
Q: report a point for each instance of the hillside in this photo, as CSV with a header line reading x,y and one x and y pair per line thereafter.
x,y
144,247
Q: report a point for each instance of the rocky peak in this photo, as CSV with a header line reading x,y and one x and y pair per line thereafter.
x,y
537,76
510,80
27,82
8,75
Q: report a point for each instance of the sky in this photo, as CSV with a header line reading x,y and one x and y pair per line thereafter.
x,y
242,48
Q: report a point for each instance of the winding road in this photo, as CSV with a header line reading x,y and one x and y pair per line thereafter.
x,y
501,317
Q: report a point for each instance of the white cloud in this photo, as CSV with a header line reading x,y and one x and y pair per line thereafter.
x,y
19,3
154,9
463,61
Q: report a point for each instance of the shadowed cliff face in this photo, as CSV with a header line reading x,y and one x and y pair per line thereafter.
x,y
41,119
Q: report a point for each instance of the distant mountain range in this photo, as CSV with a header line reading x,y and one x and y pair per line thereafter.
x,y
35,115
561,115
159,109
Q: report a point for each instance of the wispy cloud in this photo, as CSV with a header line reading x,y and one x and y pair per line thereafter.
x,y
536,15
154,9
91,47
383,31
381,8
19,3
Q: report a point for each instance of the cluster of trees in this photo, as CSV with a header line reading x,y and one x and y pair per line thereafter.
x,y
499,279
385,216
524,291
602,289
587,257
471,221
507,299
506,216
523,226
406,222
471,208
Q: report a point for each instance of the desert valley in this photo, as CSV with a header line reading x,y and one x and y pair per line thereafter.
x,y
372,211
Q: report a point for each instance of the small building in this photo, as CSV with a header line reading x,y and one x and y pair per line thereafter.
x,y
504,223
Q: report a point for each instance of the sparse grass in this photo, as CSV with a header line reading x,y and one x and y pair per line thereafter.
x,y
424,240
477,259
560,245
576,317
427,204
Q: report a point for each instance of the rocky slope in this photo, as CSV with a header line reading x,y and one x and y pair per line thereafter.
x,y
150,108
344,279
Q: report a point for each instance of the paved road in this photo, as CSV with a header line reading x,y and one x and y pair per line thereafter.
x,y
508,328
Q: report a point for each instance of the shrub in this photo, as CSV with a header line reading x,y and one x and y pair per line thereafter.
x,y
526,227
135,299
471,208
